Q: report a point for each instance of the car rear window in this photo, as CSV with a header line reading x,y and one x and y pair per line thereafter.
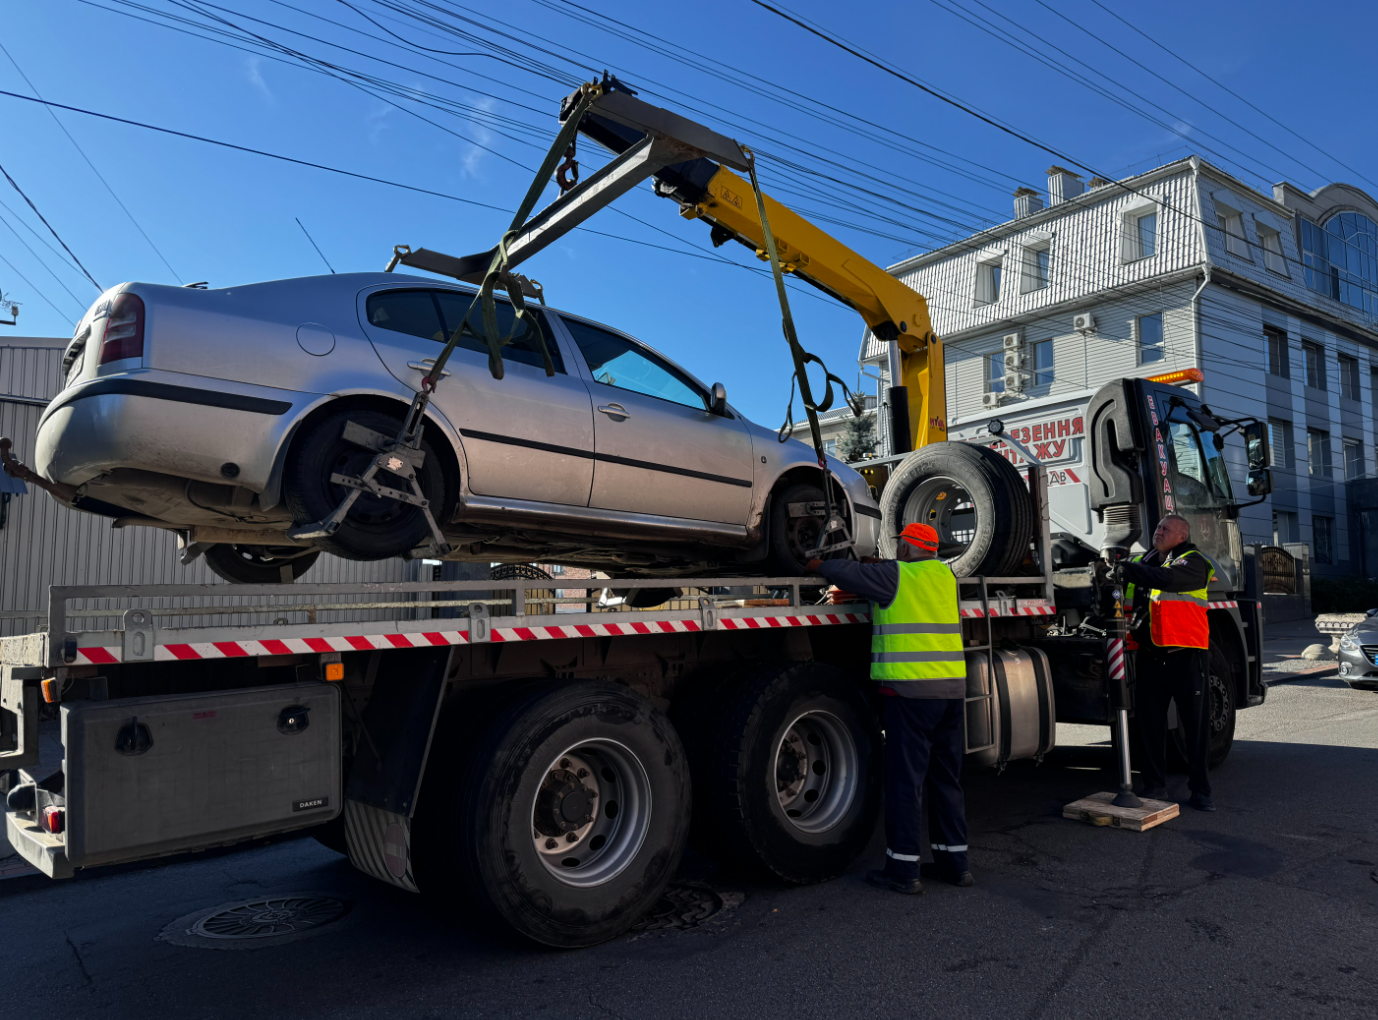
x,y
433,314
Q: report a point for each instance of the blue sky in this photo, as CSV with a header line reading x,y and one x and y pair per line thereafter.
x,y
829,129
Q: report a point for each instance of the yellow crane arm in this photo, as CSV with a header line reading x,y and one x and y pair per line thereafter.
x,y
894,312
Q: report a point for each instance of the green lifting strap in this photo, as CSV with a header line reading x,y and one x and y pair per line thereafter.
x,y
497,269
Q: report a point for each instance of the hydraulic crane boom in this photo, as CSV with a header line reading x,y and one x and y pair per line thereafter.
x,y
690,164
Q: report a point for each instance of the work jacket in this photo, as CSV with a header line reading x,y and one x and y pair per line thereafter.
x,y
1176,619
916,640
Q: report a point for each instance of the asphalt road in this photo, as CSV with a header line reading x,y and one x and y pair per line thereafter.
x,y
1267,908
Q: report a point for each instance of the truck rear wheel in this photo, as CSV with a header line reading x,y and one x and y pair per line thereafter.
x,y
975,499
570,813
787,773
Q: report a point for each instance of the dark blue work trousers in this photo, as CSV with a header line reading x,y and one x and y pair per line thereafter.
x,y
924,744
1162,675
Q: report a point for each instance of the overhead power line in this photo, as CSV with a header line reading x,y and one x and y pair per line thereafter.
x,y
45,222
314,245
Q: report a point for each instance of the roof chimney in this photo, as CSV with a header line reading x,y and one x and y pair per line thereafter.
x,y
1063,185
1099,182
1026,203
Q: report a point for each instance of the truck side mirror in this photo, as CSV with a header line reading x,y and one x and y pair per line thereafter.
x,y
719,400
1260,482
1257,448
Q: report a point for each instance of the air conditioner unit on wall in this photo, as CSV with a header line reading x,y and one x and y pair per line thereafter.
x,y
1084,323
1014,381
1014,360
991,399
1013,341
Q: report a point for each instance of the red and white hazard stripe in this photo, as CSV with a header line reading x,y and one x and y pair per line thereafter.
x,y
1036,609
1222,605
1115,658
103,655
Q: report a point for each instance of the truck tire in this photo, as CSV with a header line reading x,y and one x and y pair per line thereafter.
x,y
792,539
259,564
1223,710
592,761
975,499
375,528
787,776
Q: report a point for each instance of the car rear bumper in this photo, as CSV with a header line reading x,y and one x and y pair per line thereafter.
x,y
169,424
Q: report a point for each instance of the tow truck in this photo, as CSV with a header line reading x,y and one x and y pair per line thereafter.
x,y
550,758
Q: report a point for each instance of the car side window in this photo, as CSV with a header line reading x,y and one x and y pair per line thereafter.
x,y
406,311
432,314
617,361
523,349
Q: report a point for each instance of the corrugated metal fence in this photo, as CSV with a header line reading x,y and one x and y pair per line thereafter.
x,y
44,543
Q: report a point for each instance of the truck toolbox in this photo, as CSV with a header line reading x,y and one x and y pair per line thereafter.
x,y
151,776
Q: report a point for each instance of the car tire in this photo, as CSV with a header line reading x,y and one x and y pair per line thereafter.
x,y
973,496
792,539
525,779
259,564
375,528
787,773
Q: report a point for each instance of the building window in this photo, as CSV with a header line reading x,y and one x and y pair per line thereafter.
x,y
987,283
830,447
1280,440
1151,347
1232,226
1318,453
1038,264
1146,234
1279,362
1353,459
1313,358
556,569
1323,530
1285,527
995,373
1271,242
1349,377
1043,363
1341,259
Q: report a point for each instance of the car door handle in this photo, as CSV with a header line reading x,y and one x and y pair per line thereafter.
x,y
425,365
616,410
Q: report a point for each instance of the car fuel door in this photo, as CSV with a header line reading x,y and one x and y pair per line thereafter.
x,y
659,447
527,435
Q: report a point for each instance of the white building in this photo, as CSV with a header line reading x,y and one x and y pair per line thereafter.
x,y
1274,297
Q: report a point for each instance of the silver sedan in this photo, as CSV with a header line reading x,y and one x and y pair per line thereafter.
x,y
220,414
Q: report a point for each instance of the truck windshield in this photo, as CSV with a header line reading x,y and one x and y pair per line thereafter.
x,y
1202,479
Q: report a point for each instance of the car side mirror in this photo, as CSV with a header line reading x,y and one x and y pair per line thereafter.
x,y
1260,482
719,406
1257,447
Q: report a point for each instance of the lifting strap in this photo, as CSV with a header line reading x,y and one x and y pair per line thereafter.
x,y
802,358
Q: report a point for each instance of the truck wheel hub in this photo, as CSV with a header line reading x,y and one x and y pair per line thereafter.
x,y
564,804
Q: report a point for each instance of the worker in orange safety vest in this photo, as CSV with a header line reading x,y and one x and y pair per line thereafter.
x,y
1170,641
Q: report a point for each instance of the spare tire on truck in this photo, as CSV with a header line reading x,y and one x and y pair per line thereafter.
x,y
975,498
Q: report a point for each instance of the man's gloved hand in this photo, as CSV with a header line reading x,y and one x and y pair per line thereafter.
x,y
838,597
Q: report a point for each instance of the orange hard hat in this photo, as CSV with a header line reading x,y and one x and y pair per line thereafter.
x,y
925,536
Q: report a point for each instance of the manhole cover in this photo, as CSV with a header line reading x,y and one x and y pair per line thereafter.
x,y
685,906
268,921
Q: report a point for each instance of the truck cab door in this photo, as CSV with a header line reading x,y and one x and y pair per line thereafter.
x,y
526,435
658,446
1194,481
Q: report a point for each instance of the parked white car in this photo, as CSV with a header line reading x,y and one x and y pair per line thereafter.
x,y
219,414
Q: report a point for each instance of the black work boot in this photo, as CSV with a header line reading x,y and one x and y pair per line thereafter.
x,y
1202,802
962,879
885,880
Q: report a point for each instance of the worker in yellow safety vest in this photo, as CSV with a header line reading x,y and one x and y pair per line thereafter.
x,y
917,657
1170,639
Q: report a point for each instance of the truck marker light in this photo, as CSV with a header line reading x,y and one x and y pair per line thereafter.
x,y
52,819
50,693
334,670
1179,378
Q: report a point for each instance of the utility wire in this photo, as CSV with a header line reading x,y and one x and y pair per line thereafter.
x,y
40,261
315,245
40,215
32,287
98,174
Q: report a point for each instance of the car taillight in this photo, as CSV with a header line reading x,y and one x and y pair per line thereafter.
x,y
124,330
